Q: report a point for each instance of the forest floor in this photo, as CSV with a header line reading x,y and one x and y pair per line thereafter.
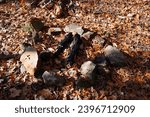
x,y
126,24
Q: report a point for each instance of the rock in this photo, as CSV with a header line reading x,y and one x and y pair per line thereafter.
x,y
54,31
87,35
53,80
95,75
37,24
98,40
74,29
29,59
114,56
49,78
87,69
22,69
101,61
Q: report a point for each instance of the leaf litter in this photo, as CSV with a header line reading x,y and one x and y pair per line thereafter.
x,y
124,25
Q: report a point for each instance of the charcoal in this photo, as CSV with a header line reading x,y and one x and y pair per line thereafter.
x,y
75,45
63,44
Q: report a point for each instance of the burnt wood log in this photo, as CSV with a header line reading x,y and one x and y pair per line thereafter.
x,y
75,45
63,44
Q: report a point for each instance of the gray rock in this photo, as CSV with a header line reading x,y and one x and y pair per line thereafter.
x,y
74,29
97,39
87,69
22,69
87,35
55,29
114,56
94,75
49,78
29,59
53,80
101,61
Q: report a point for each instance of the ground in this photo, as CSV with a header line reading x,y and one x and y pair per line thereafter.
x,y
124,23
